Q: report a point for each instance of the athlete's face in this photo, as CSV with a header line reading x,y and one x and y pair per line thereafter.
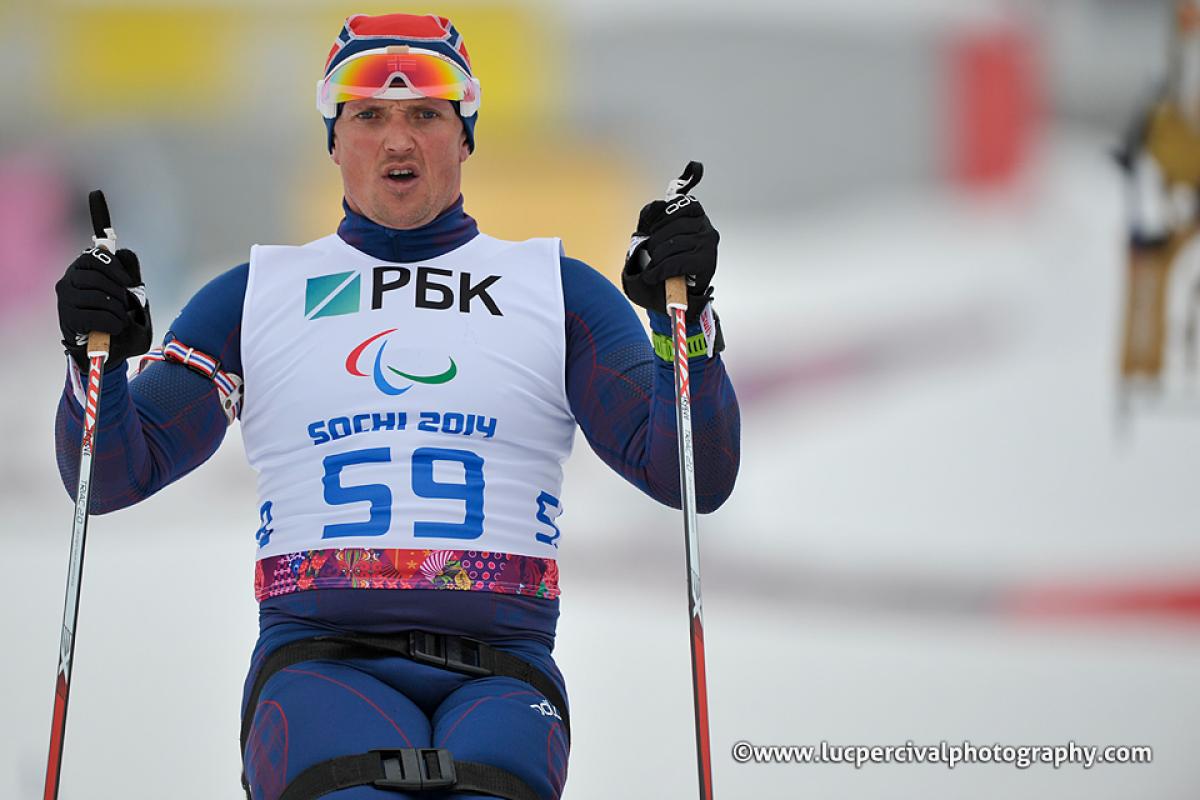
x,y
401,160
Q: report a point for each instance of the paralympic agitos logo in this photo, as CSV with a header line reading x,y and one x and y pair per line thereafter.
x,y
386,376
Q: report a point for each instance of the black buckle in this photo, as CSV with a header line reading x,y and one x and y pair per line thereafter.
x,y
416,768
458,653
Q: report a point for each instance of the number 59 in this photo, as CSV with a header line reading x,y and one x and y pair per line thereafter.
x,y
469,492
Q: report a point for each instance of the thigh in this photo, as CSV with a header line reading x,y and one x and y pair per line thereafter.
x,y
507,724
318,710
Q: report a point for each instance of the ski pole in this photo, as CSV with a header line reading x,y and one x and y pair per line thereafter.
x,y
97,351
677,303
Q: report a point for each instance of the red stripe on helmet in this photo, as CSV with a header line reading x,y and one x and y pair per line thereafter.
x,y
400,26
410,27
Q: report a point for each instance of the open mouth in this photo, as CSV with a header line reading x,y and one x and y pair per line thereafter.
x,y
401,175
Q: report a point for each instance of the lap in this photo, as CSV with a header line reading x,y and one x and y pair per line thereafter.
x,y
319,710
505,723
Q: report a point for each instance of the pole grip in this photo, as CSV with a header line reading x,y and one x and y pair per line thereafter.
x,y
104,236
677,292
97,344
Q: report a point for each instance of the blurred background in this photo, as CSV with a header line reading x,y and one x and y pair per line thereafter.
x,y
950,523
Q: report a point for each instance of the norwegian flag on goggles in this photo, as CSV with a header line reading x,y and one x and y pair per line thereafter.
x,y
398,56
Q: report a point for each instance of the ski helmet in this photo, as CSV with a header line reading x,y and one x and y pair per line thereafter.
x,y
398,56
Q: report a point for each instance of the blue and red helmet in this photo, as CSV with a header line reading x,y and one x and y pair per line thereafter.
x,y
399,56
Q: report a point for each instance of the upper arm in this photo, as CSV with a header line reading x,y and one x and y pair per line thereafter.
x,y
610,364
605,338
212,320
598,317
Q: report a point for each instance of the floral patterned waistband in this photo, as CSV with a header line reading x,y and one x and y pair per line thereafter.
x,y
371,568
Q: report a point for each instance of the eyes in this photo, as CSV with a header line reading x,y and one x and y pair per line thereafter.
x,y
422,113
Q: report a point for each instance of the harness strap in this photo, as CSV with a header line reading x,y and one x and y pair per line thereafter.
x,y
455,653
413,769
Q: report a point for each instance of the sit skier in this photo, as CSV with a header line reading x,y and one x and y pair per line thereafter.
x,y
411,390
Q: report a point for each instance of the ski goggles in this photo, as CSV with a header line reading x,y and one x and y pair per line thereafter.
x,y
422,73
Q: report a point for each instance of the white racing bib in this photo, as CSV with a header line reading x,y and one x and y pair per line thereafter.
x,y
408,422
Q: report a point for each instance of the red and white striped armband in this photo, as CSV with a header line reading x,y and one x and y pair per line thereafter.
x,y
229,385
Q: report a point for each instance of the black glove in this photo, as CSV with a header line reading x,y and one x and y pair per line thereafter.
x,y
674,237
104,293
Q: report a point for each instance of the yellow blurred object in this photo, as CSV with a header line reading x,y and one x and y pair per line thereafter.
x,y
1174,144
190,61
112,60
1145,311
1146,301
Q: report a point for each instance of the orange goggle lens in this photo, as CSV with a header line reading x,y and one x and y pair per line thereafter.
x,y
370,74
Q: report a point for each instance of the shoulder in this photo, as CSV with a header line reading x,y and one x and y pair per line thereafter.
x,y
579,273
226,290
483,245
586,287
324,245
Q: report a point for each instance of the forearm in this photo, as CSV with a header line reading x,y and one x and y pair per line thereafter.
x,y
151,431
716,429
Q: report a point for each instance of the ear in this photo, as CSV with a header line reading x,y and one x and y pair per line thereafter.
x,y
464,151
334,156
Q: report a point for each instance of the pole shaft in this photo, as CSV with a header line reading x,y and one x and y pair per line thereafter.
x,y
97,355
677,305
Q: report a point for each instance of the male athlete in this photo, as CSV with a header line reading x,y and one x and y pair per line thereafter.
x,y
411,390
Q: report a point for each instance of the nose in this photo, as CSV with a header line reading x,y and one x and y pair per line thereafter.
x,y
398,136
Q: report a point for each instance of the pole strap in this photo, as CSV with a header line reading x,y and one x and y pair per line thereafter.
x,y
664,346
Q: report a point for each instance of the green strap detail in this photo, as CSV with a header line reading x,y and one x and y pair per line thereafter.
x,y
664,346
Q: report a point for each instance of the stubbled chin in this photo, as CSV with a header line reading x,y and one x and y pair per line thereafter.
x,y
402,212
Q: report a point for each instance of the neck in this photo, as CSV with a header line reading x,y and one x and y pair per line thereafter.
x,y
452,229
